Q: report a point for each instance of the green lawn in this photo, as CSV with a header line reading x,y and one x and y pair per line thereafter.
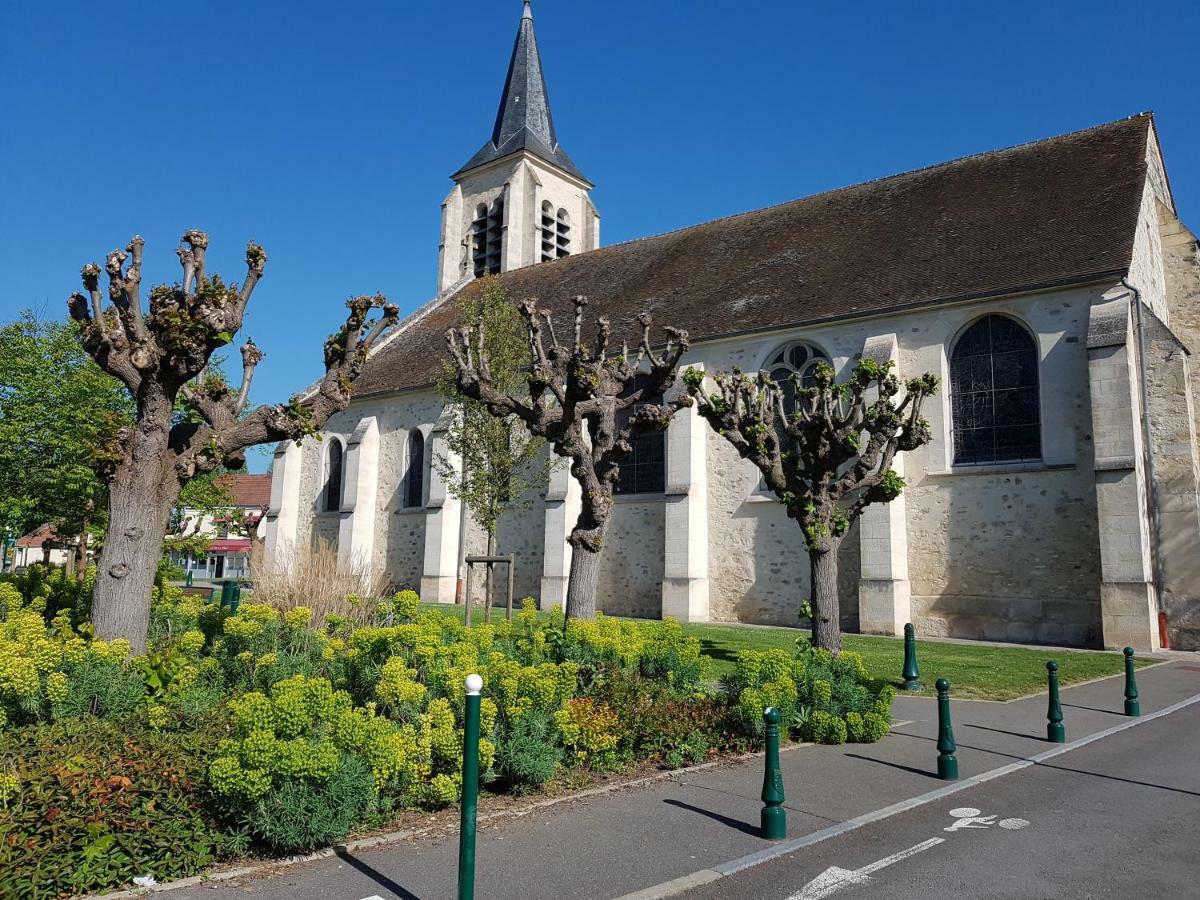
x,y
974,670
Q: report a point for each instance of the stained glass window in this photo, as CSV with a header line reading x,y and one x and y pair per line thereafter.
x,y
414,482
643,471
333,477
994,398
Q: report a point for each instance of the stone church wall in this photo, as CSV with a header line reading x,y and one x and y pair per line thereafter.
x,y
1005,552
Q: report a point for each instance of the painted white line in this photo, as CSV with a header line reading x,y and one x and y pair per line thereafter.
x,y
786,847
373,897
834,878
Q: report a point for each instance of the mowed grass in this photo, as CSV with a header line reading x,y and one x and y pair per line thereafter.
x,y
975,671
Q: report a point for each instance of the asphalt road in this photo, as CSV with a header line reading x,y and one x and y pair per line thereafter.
x,y
1118,818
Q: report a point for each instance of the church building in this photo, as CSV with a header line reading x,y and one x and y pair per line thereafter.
x,y
1050,285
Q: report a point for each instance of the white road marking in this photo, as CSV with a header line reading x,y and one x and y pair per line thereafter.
x,y
373,897
834,878
1013,824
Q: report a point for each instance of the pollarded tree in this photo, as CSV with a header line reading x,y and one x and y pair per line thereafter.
x,y
825,450
589,404
158,356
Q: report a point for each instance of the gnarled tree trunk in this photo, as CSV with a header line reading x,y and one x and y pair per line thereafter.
x,y
826,619
142,493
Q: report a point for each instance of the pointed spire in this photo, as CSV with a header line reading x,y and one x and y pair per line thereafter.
x,y
523,121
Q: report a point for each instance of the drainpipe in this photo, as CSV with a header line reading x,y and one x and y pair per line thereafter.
x,y
1152,511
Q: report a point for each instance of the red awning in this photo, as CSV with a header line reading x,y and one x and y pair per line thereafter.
x,y
230,545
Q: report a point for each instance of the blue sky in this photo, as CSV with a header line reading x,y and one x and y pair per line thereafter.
x,y
328,132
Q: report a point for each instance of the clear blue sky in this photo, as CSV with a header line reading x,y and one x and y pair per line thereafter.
x,y
328,131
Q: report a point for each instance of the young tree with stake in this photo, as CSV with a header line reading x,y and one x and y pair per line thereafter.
x,y
827,456
589,404
157,355
499,463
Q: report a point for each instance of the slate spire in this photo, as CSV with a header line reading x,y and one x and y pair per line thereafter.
x,y
523,121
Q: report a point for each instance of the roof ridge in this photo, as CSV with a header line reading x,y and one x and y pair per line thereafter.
x,y
1148,115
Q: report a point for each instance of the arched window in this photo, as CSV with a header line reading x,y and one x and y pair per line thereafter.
x,y
332,501
548,230
644,470
414,480
795,359
994,394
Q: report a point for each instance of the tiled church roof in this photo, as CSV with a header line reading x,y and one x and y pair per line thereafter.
x,y
1062,210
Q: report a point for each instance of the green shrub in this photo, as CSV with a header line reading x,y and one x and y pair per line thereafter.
x,y
101,688
821,698
527,753
670,656
658,724
99,802
303,813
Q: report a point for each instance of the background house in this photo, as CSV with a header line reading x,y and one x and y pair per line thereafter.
x,y
233,531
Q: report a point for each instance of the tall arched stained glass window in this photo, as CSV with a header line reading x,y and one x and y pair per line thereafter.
x,y
333,477
995,406
414,480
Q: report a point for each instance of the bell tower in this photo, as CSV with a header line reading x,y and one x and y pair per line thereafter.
x,y
520,200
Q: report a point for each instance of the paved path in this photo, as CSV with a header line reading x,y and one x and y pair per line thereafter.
x,y
699,822
1116,818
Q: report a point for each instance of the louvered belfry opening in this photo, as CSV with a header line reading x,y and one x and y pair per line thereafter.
x,y
563,244
547,231
487,238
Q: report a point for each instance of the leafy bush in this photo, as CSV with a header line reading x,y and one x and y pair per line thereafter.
x,y
661,725
303,814
822,698
51,671
592,732
92,804
527,752
52,592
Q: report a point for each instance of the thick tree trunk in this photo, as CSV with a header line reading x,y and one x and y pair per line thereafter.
x,y
140,498
826,621
581,589
586,540
137,523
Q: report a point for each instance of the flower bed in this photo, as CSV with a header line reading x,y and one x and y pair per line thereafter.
x,y
266,730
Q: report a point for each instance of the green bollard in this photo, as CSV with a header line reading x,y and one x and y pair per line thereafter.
x,y
1055,731
1132,706
235,597
188,579
947,761
912,672
774,817
227,593
470,791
